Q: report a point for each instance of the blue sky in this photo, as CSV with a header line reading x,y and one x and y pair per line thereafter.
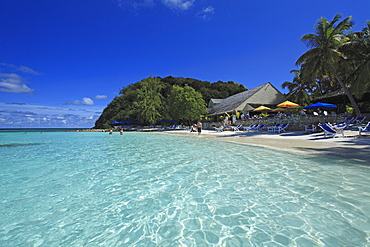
x,y
62,62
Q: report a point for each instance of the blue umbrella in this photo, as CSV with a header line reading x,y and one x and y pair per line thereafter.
x,y
319,105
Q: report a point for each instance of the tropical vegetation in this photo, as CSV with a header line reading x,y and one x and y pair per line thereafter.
x,y
155,100
338,59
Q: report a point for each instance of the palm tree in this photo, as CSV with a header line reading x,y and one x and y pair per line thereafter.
x,y
325,59
299,91
360,47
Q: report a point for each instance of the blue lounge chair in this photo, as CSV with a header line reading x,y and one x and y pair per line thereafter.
x,y
309,128
364,129
233,128
282,128
347,120
258,127
357,120
221,129
273,128
250,127
329,130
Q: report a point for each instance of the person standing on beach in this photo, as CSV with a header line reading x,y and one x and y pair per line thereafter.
x,y
199,126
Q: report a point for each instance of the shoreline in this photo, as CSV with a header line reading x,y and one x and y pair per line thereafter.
x,y
350,147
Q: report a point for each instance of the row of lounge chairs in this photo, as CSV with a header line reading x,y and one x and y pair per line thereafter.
x,y
278,128
334,129
254,127
353,121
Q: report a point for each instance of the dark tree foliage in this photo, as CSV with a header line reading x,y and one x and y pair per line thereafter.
x,y
129,106
337,59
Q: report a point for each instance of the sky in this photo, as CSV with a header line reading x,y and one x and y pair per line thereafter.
x,y
62,62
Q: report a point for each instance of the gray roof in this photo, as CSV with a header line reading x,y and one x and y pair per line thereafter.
x,y
233,102
217,101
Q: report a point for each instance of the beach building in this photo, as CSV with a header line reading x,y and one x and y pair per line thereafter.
x,y
247,101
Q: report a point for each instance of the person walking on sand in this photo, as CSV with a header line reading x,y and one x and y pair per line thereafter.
x,y
199,126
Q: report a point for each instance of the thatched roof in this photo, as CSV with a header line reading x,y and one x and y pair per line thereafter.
x,y
332,96
340,97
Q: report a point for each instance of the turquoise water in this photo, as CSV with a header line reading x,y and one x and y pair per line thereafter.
x,y
148,189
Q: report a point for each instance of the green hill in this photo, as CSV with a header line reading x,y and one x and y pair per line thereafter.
x,y
175,98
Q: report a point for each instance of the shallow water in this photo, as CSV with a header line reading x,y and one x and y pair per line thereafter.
x,y
148,189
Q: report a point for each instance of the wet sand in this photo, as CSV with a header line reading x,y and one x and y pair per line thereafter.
x,y
351,146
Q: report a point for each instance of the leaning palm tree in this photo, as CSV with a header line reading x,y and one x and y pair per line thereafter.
x,y
360,48
324,59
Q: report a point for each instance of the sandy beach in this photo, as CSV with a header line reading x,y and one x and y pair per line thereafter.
x,y
351,146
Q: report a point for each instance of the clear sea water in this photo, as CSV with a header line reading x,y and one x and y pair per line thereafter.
x,y
149,189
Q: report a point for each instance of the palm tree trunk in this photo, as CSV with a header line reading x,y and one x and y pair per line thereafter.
x,y
349,95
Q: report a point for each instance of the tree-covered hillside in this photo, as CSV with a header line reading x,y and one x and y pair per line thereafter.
x,y
174,98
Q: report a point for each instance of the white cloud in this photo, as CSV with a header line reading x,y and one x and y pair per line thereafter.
x,y
135,4
206,12
15,115
23,69
173,4
13,83
101,97
84,101
87,101
179,4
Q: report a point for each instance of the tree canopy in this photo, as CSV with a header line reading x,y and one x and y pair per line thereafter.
x,y
338,58
173,98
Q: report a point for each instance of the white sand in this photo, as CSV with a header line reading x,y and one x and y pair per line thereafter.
x,y
351,146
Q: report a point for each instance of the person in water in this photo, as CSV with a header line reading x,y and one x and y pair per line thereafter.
x,y
199,127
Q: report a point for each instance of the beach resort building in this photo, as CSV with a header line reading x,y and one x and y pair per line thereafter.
x,y
247,101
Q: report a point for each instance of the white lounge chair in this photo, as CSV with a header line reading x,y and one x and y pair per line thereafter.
x,y
273,128
282,128
250,127
364,129
236,128
330,131
220,129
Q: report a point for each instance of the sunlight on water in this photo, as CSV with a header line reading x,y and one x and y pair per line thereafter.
x,y
146,189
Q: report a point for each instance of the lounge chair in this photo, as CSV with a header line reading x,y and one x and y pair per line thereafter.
x,y
250,127
233,128
258,128
357,120
282,128
220,129
309,128
347,120
364,129
273,128
329,130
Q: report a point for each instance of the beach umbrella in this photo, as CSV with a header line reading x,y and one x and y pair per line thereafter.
x,y
288,104
116,122
279,109
262,108
319,105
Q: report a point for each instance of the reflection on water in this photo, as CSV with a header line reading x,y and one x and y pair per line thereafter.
x,y
146,189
